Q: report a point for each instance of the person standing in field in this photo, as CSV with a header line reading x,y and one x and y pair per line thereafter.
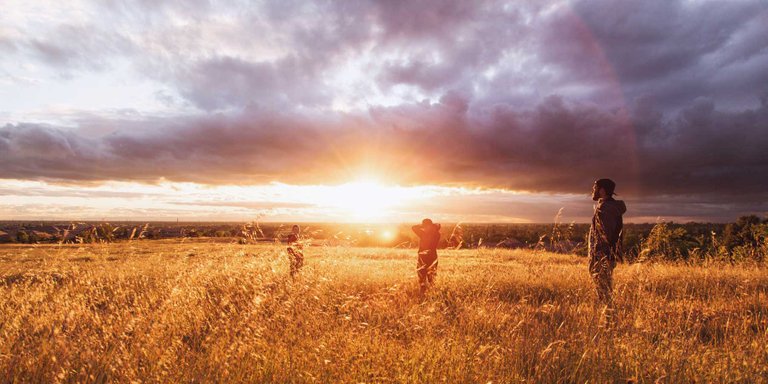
x,y
605,237
295,254
426,266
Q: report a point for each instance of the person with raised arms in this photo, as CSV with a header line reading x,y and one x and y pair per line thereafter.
x,y
426,266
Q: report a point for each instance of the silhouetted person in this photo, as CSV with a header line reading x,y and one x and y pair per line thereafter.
x,y
605,237
426,266
295,254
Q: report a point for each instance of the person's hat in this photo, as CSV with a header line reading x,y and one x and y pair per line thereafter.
x,y
607,184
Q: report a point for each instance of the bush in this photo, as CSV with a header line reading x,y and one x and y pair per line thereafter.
x,y
744,232
665,243
105,232
22,237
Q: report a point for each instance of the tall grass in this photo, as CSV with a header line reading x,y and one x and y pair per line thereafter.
x,y
177,312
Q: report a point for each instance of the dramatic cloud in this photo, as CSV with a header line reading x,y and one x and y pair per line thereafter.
x,y
667,97
555,147
678,51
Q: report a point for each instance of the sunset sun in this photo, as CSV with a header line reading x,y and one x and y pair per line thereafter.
x,y
365,199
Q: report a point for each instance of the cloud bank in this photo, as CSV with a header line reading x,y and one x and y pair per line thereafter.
x,y
666,97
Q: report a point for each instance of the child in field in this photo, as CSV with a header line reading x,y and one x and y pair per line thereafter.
x,y
295,254
426,266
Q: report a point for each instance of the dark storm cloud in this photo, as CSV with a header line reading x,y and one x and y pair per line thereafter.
x,y
703,149
678,51
433,46
654,39
555,147
454,44
31,151
306,41
594,51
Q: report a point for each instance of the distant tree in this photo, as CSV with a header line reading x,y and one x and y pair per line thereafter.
x,y
105,232
665,242
742,233
22,237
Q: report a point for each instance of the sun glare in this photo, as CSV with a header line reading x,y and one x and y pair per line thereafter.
x,y
364,199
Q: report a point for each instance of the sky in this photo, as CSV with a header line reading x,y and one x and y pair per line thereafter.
x,y
482,111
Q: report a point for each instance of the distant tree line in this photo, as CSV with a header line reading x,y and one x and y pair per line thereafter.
x,y
744,239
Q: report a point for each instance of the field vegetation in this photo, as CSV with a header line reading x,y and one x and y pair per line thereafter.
x,y
197,311
744,239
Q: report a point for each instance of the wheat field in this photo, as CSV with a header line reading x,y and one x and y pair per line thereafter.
x,y
175,311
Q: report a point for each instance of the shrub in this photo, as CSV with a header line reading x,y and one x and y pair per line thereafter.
x,y
664,243
22,237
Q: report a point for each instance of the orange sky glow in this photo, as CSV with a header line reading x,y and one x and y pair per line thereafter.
x,y
364,200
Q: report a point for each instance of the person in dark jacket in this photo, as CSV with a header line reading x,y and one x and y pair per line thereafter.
x,y
605,237
426,266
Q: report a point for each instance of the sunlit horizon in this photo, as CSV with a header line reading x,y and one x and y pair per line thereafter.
x,y
363,200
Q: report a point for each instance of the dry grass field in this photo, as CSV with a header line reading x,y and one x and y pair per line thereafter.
x,y
172,311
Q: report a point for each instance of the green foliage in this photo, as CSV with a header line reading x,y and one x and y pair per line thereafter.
x,y
22,237
751,242
665,243
105,232
746,231
742,241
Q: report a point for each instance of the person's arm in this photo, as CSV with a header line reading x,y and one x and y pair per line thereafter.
x,y
418,230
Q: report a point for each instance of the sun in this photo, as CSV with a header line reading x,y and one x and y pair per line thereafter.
x,y
365,199
387,235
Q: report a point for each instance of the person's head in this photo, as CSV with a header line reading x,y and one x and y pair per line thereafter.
x,y
427,223
603,188
296,229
